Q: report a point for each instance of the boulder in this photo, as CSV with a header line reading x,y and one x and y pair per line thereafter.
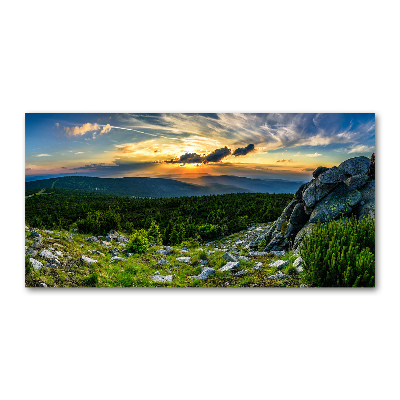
x,y
279,264
230,266
332,175
371,171
305,231
338,202
356,181
298,264
240,273
205,273
317,172
298,216
162,261
355,166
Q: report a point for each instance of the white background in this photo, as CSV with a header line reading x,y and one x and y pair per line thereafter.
x,y
203,56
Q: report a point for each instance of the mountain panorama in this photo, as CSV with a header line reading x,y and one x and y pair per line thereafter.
x,y
200,200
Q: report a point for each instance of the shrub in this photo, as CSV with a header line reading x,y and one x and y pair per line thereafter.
x,y
210,231
284,227
138,243
340,253
262,244
28,265
154,234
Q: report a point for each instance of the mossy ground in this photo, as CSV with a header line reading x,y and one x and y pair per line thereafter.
x,y
136,271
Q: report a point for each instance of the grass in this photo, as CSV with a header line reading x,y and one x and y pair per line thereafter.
x,y
136,271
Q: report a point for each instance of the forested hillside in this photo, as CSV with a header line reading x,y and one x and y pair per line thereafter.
x,y
179,218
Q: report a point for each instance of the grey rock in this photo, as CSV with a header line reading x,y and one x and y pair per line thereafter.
x,y
204,263
230,266
279,253
356,181
93,239
99,253
298,264
229,257
42,284
257,266
279,264
47,254
161,278
317,172
58,253
35,233
88,260
116,258
37,245
31,252
183,259
162,261
36,264
240,273
315,192
130,254
48,232
243,258
332,175
278,275
303,285
305,231
355,166
205,273
70,239
338,202
298,216
258,253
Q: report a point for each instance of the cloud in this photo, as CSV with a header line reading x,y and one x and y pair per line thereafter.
x,y
81,130
284,160
80,152
313,155
191,158
106,128
43,155
195,158
242,151
217,155
125,149
362,149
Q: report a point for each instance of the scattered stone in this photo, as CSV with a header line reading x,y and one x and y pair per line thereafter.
x,y
278,275
58,253
230,266
257,266
278,253
279,264
36,264
243,258
31,252
88,260
47,254
204,263
298,264
116,258
183,259
240,273
258,253
205,273
229,257
162,261
93,239
42,284
303,285
70,239
99,253
165,250
161,278
130,254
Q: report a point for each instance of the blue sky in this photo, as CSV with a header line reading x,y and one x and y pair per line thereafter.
x,y
190,145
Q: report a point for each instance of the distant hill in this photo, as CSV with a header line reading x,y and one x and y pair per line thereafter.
x,y
163,187
248,184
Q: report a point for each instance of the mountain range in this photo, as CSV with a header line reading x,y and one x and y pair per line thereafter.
x,y
163,187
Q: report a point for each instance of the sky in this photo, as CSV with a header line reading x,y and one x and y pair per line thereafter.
x,y
285,146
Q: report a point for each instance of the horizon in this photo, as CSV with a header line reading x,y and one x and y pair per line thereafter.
x,y
187,146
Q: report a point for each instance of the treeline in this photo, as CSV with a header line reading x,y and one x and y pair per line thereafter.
x,y
180,218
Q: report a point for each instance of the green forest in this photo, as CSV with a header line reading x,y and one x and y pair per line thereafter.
x,y
180,218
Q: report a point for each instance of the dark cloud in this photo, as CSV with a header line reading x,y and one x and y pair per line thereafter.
x,y
242,151
217,155
284,160
190,158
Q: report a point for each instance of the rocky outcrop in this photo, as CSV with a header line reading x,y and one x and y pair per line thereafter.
x,y
348,189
